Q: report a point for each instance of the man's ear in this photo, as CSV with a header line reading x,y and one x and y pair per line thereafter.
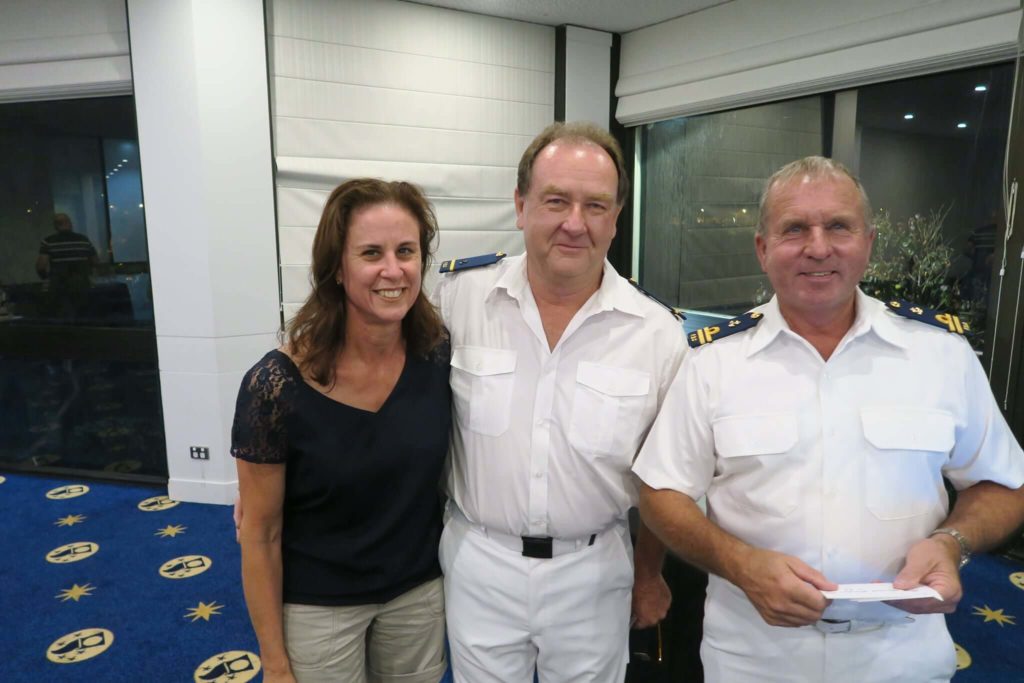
x,y
761,248
520,202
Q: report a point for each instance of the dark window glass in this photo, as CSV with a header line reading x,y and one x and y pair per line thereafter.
x,y
79,386
928,150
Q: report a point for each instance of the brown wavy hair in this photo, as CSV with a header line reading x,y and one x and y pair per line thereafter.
x,y
316,335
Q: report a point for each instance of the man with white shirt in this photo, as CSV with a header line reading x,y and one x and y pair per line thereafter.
x,y
820,426
559,366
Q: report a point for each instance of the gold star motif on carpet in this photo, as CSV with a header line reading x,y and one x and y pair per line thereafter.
x,y
70,520
75,592
995,615
171,530
204,611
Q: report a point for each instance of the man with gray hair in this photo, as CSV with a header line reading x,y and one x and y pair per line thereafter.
x,y
820,426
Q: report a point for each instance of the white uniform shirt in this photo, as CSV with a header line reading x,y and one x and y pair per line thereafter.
x,y
543,439
839,463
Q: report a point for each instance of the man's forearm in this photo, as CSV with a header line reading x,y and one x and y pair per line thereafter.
x,y
987,514
648,554
681,525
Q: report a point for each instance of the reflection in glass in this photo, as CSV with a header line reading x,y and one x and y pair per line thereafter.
x,y
935,186
79,386
701,181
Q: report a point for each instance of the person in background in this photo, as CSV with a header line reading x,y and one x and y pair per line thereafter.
x,y
340,438
66,258
820,426
559,366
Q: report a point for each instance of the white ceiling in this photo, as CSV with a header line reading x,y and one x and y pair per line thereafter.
x,y
616,16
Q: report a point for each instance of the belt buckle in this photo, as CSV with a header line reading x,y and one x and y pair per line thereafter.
x,y
834,625
538,547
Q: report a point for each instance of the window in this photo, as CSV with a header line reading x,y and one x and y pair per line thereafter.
x,y
79,385
929,152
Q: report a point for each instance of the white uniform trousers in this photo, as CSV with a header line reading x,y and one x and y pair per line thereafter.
x,y
567,616
738,647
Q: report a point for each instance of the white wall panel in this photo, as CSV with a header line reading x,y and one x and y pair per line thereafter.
x,y
201,100
447,100
416,29
457,180
369,104
316,61
747,51
301,207
345,140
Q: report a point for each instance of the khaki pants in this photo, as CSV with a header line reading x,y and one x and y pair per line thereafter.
x,y
401,640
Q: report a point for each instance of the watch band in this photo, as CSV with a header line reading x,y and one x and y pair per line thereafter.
x,y
965,548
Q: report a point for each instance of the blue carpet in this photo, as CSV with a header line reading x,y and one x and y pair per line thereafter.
x,y
109,615
987,626
99,610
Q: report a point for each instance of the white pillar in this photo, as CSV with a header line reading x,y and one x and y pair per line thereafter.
x,y
200,78
588,75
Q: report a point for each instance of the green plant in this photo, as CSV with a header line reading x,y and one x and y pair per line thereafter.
x,y
911,260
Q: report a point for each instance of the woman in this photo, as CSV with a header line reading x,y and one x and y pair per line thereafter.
x,y
340,438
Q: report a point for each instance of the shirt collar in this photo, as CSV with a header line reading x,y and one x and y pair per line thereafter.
x,y
871,316
614,293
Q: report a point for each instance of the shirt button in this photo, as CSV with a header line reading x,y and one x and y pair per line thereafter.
x,y
538,475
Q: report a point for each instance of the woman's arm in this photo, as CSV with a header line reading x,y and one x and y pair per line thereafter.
x,y
261,489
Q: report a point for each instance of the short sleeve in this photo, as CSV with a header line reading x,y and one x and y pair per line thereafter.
x,y
44,247
679,452
985,449
259,432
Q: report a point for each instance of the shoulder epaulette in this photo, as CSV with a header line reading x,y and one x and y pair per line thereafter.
x,y
947,321
457,264
706,335
677,312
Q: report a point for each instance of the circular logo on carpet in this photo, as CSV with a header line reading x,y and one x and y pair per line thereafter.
x,y
2,479
236,666
157,503
72,552
185,567
80,645
69,491
1017,579
963,658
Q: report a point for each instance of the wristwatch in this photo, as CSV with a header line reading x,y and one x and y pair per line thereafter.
x,y
965,548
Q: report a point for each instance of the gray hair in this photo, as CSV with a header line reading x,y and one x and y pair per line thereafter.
x,y
814,167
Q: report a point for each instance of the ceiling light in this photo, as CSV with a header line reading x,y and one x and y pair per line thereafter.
x,y
908,116
124,161
980,88
961,125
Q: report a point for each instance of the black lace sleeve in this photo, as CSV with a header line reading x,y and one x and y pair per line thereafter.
x,y
259,432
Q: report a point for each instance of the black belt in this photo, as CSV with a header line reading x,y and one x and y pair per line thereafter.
x,y
542,548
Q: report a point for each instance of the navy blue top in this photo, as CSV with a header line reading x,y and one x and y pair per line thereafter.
x,y
362,514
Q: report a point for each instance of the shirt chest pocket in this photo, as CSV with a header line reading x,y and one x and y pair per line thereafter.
x,y
757,467
903,464
482,381
607,410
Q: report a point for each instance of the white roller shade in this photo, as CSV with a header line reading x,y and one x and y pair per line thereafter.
x,y
447,100
749,51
